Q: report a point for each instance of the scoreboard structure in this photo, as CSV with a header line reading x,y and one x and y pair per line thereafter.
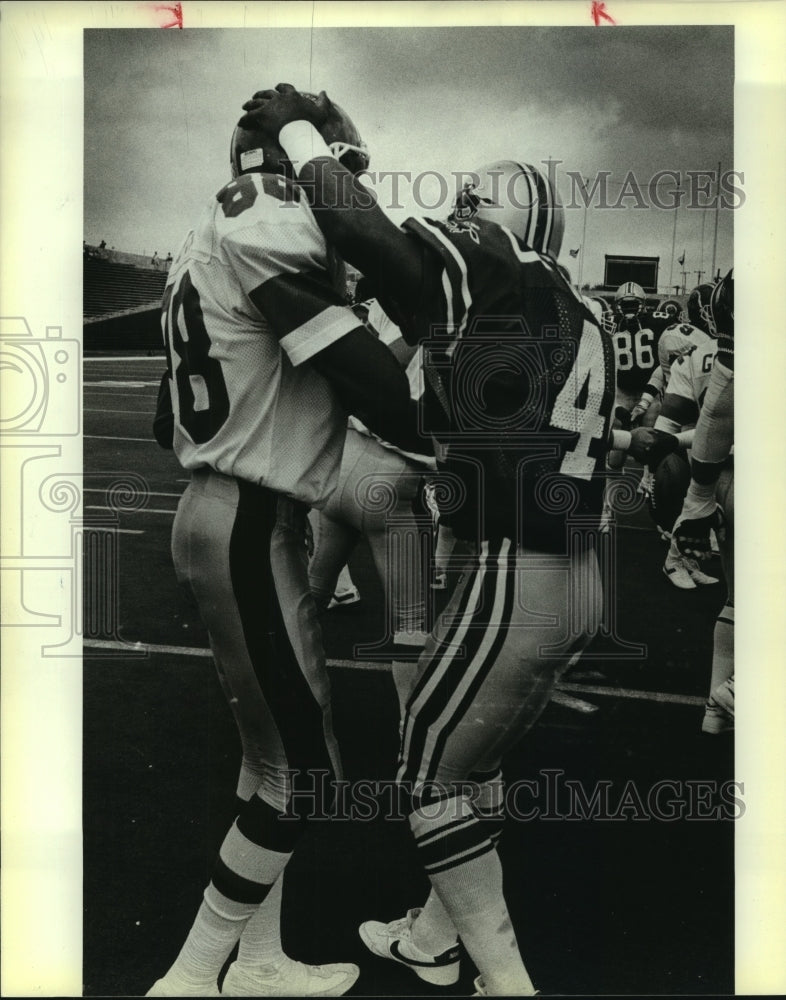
x,y
642,270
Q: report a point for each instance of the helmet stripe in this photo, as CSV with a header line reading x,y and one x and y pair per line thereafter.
x,y
533,200
545,214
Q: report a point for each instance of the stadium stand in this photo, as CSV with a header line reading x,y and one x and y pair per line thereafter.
x,y
120,305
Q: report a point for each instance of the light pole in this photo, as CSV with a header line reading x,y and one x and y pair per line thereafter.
x,y
674,237
583,236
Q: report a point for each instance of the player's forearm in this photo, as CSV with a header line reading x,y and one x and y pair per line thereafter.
x,y
371,385
351,219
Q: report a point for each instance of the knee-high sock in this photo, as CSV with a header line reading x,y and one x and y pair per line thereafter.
x,y
723,648
465,871
260,943
434,930
250,862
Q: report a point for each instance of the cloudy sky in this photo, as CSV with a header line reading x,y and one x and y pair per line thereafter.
x,y
631,102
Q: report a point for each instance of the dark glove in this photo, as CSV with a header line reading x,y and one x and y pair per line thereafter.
x,y
650,447
622,418
270,110
693,537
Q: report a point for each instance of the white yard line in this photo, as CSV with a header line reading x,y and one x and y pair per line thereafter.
x,y
661,697
107,437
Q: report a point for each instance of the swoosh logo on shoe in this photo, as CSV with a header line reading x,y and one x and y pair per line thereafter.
x,y
446,958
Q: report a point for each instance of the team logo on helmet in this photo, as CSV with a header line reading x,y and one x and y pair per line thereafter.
x,y
520,198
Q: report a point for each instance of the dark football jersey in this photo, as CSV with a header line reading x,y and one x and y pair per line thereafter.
x,y
519,387
636,350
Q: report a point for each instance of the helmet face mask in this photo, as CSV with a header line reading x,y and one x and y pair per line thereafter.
x,y
699,306
253,151
720,311
520,198
629,299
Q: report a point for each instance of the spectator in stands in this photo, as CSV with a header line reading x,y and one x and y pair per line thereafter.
x,y
168,261
156,261
102,245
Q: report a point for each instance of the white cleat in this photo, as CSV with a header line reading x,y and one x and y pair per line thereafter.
x,y
697,575
344,599
394,941
291,979
719,711
677,573
168,988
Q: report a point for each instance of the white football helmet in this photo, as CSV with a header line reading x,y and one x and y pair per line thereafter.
x,y
629,299
519,197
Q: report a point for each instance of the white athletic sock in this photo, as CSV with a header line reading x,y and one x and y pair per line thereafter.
x,y
723,648
260,949
472,895
465,871
433,931
215,932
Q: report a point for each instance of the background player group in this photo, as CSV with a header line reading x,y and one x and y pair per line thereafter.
x,y
476,365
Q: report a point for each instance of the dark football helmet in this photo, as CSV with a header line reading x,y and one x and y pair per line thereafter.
x,y
252,150
630,300
699,305
517,196
721,308
670,309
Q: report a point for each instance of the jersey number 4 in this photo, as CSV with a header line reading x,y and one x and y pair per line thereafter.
x,y
203,401
586,381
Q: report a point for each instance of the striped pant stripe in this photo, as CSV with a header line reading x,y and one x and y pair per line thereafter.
x,y
415,720
482,663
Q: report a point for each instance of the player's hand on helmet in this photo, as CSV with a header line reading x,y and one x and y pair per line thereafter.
x,y
270,110
650,447
692,536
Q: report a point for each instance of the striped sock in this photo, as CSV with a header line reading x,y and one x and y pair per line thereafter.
x,y
465,871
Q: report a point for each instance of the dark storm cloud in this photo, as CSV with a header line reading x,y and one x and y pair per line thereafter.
x,y
662,77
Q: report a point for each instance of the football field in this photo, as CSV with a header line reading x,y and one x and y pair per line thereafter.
x,y
618,852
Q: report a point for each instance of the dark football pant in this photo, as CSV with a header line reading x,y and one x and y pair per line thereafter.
x,y
512,626
514,623
240,550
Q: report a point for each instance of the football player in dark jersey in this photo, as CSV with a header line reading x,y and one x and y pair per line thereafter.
x,y
636,335
519,394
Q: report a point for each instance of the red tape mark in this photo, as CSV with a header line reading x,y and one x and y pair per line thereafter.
x,y
598,11
175,9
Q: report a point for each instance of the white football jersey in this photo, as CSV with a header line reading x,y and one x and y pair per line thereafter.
x,y
252,295
690,376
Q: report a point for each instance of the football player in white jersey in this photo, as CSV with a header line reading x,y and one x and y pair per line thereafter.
x,y
265,362
682,401
709,502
